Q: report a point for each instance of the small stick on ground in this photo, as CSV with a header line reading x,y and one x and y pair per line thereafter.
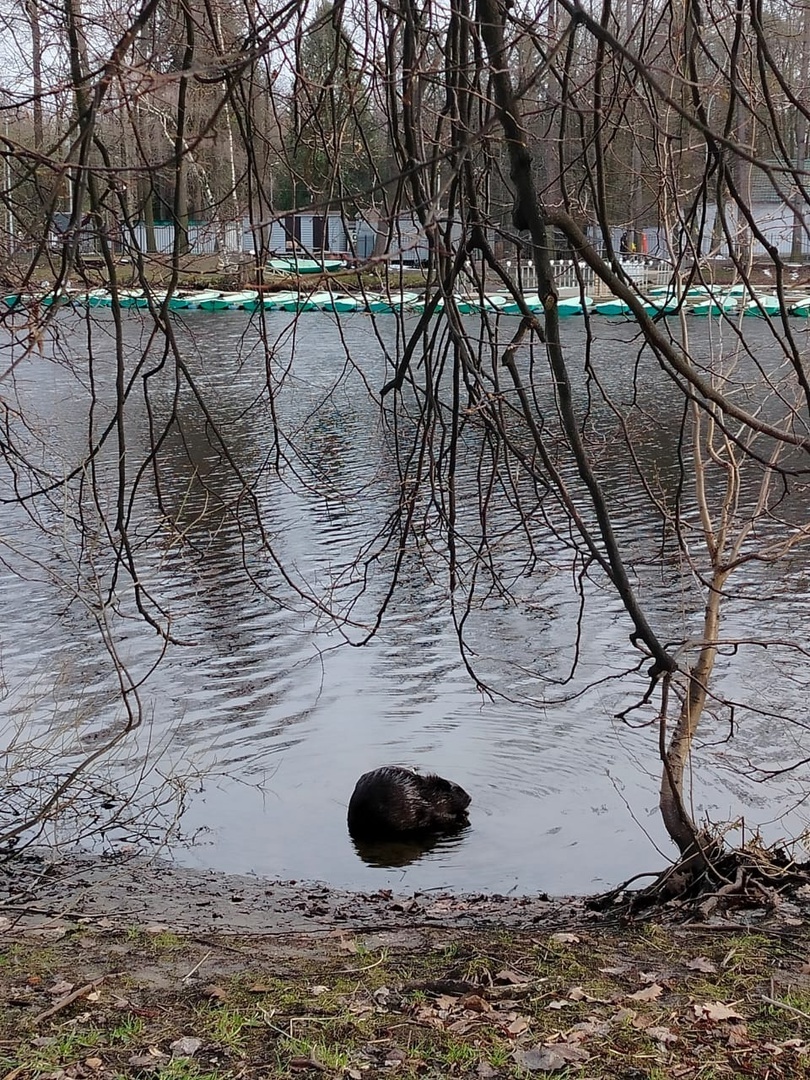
x,y
196,967
784,1005
63,1003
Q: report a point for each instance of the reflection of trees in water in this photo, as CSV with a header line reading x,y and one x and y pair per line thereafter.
x,y
511,460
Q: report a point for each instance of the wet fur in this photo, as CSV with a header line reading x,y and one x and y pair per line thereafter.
x,y
392,801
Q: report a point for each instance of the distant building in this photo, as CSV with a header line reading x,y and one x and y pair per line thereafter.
x,y
777,206
401,239
307,232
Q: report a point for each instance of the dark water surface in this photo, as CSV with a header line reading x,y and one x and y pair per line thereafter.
x,y
265,711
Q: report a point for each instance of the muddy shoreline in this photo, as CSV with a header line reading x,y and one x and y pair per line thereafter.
x,y
125,969
139,892
46,890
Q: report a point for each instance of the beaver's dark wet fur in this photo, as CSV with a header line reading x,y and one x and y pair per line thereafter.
x,y
392,801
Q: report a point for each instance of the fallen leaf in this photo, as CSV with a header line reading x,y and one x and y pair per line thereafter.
x,y
550,1058
446,1001
518,1026
662,1035
507,976
648,993
150,1060
185,1046
59,989
316,991
215,992
576,993
426,1015
565,939
623,1014
462,1026
475,1003
614,970
702,963
260,988
93,1062
716,1011
557,1004
737,1036
641,1021
586,1029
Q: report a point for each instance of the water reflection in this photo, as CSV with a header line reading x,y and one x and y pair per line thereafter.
x,y
270,577
387,854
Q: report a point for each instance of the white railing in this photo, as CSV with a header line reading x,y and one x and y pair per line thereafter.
x,y
571,277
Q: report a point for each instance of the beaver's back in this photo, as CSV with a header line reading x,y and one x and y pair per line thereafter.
x,y
391,800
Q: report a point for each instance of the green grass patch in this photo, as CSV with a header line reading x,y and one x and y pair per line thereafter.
x,y
643,1002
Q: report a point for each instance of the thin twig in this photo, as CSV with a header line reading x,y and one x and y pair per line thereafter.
x,y
784,1005
63,1003
15,1072
359,971
196,967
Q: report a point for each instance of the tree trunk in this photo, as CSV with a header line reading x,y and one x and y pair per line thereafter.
x,y
677,819
32,10
798,234
148,210
181,219
180,210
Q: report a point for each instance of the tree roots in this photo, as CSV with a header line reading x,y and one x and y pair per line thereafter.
x,y
712,880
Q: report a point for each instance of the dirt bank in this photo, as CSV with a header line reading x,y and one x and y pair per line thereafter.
x,y
140,892
111,970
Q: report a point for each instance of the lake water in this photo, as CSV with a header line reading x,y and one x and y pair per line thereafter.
x,y
269,554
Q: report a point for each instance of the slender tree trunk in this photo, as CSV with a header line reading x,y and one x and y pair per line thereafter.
x,y
675,757
147,202
32,10
799,231
746,137
181,217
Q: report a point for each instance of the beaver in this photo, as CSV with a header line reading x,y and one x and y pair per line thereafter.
x,y
391,801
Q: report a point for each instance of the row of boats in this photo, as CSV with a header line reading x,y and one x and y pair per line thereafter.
x,y
736,300
732,301
289,300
